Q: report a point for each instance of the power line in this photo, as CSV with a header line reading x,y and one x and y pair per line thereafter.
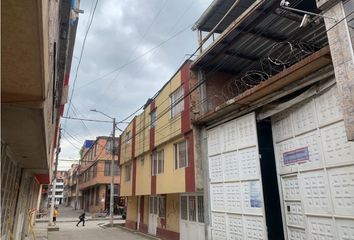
x,y
86,119
81,54
136,58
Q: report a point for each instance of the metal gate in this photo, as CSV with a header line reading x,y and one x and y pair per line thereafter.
x,y
315,166
237,209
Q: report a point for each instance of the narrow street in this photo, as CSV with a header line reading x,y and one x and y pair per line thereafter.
x,y
95,228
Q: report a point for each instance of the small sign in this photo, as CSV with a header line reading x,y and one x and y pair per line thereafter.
x,y
297,155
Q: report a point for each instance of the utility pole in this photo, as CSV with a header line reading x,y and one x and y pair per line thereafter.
x,y
54,181
111,202
77,176
112,174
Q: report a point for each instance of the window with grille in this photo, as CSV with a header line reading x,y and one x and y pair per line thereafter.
x,y
107,168
176,99
127,172
181,154
184,211
157,162
162,206
153,118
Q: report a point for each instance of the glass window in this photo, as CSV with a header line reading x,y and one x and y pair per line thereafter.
x,y
153,118
177,103
116,168
157,162
192,209
155,205
181,155
184,215
127,172
151,205
200,209
162,206
107,168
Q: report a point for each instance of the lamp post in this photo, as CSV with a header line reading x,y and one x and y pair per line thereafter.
x,y
111,203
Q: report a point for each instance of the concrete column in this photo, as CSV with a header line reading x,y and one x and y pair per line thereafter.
x,y
341,38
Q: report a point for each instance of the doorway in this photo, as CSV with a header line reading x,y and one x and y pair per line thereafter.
x,y
153,214
269,179
192,217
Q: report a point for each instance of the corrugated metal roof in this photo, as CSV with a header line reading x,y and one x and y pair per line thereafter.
x,y
246,45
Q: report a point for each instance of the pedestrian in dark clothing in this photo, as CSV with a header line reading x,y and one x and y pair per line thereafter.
x,y
82,219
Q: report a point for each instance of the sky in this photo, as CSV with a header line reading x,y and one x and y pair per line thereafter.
x,y
124,33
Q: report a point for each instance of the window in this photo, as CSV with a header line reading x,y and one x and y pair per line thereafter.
x,y
107,168
94,171
153,118
116,168
181,155
177,104
162,206
157,162
184,210
127,172
128,137
192,209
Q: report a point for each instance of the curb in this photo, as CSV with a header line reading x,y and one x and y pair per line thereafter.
x,y
136,232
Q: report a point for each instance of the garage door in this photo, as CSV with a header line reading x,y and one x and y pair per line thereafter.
x,y
315,165
237,209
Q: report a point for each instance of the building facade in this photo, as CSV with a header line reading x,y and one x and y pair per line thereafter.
x,y
59,189
70,187
35,74
277,145
95,176
159,166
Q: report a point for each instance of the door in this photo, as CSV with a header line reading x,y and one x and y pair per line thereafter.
x,y
153,215
315,167
235,182
192,217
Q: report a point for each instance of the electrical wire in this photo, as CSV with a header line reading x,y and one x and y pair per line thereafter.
x,y
80,58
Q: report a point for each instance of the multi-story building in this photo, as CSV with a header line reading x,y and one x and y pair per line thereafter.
x,y
59,188
95,175
36,52
70,187
276,115
161,174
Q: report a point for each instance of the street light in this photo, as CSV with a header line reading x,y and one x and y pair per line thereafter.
x,y
111,203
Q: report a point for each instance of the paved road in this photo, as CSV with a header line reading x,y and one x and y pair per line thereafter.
x,y
92,231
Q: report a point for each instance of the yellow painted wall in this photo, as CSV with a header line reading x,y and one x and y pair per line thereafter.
x,y
143,175
166,127
132,209
172,180
172,212
142,142
126,186
126,145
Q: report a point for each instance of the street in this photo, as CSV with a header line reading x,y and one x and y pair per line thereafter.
x,y
95,228
92,230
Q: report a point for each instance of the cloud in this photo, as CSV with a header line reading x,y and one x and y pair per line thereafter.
x,y
121,31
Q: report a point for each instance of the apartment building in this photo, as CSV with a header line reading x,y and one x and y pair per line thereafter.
x,y
70,187
159,166
36,49
95,175
59,188
276,116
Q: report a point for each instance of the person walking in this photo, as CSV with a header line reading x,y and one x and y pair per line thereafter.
x,y
82,219
55,215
